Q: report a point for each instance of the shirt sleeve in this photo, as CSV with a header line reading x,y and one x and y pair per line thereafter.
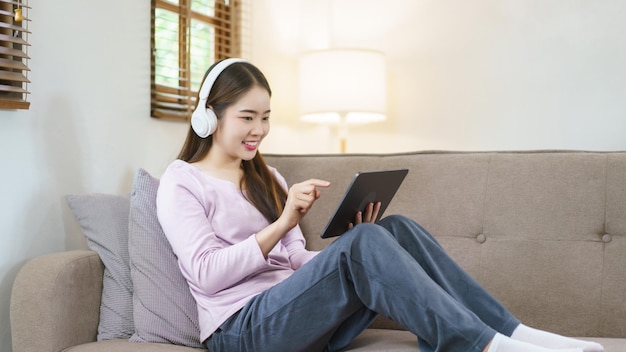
x,y
295,244
206,261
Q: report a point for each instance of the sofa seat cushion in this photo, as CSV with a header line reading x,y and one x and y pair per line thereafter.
x,y
369,340
123,345
379,340
384,340
403,341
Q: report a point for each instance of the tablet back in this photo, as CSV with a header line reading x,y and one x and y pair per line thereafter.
x,y
366,187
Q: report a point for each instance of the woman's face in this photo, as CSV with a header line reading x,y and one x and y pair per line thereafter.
x,y
243,125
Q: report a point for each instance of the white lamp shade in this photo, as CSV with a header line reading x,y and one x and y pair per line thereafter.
x,y
343,83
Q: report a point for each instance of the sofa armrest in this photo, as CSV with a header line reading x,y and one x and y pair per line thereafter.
x,y
55,301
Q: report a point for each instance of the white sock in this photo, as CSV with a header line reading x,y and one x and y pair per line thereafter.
x,y
501,343
550,340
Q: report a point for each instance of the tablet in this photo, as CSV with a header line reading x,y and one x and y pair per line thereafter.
x,y
366,187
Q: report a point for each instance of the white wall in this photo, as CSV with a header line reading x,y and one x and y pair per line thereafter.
x,y
488,74
87,130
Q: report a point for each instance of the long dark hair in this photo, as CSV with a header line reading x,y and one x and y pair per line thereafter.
x,y
262,188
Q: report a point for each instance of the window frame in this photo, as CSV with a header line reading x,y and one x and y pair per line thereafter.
x,y
14,57
177,102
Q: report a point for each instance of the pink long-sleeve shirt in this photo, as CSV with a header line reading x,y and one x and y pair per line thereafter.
x,y
211,228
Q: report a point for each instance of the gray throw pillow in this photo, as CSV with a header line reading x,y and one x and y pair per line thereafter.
x,y
164,310
103,218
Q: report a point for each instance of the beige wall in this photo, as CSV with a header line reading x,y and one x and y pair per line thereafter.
x,y
463,75
87,130
515,74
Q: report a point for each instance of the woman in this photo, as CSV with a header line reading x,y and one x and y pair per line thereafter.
x,y
234,227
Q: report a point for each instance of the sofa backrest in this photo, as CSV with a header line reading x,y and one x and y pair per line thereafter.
x,y
543,231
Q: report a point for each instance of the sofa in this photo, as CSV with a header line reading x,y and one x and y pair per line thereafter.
x,y
543,231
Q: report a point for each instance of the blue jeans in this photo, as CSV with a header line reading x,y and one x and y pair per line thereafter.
x,y
394,268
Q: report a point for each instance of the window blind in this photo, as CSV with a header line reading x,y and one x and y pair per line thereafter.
x,y
14,54
187,37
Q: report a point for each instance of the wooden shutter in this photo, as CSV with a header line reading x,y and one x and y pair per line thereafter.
x,y
14,54
187,37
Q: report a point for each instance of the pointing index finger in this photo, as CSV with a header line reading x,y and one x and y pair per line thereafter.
x,y
318,183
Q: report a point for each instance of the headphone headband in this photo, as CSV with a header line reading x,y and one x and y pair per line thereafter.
x,y
215,72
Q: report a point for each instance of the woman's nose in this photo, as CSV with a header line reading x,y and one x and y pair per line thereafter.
x,y
258,127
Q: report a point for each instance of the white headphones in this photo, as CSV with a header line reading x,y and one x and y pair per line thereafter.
x,y
203,119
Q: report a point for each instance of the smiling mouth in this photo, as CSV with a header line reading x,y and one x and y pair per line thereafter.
x,y
250,145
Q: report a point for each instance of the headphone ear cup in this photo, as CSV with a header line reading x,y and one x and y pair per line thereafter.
x,y
203,122
211,119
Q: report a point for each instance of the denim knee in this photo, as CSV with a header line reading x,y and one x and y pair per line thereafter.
x,y
361,230
395,218
393,223
369,235
401,227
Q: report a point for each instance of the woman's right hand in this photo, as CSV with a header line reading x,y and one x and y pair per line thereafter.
x,y
300,198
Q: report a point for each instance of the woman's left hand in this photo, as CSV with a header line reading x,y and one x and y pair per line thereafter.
x,y
370,215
